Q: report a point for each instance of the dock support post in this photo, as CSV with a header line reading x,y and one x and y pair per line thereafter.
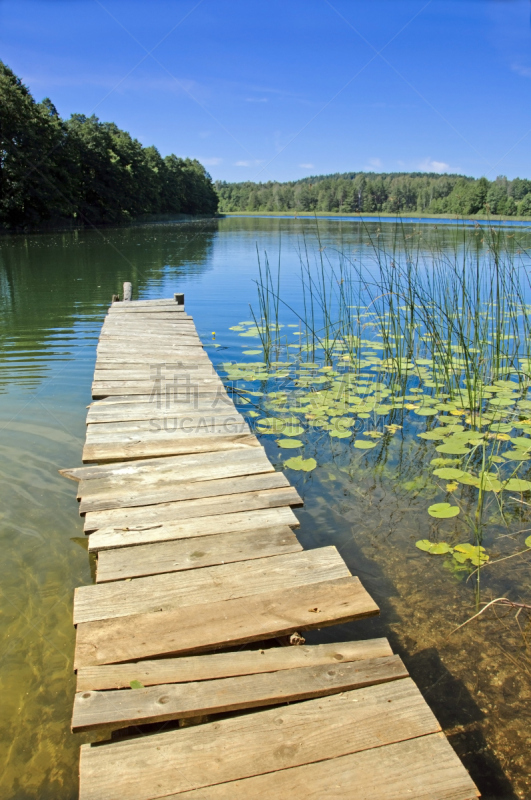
x,y
179,299
128,291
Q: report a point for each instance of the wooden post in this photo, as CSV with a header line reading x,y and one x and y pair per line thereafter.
x,y
115,298
128,291
179,299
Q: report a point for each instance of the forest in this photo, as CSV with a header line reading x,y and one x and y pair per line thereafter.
x,y
369,193
85,171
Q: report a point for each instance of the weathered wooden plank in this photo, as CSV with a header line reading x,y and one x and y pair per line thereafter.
x,y
165,398
184,554
425,768
186,380
121,708
186,467
122,412
170,423
188,388
128,518
227,665
110,538
211,584
169,763
168,445
120,308
162,487
208,626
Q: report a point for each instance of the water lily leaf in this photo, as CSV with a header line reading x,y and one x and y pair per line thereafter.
x,y
361,444
461,557
517,485
252,352
426,412
292,430
517,455
340,434
448,473
424,544
469,548
299,463
453,449
440,548
527,542
289,443
443,510
522,442
433,435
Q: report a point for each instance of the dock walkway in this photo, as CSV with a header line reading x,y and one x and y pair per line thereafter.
x,y
200,579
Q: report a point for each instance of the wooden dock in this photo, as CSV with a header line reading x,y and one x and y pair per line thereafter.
x,y
202,593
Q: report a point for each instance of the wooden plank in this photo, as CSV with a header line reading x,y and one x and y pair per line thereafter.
x,y
211,584
185,467
209,626
124,707
167,446
425,768
166,399
169,763
227,665
183,554
121,412
157,487
171,423
110,538
155,372
128,518
188,388
193,490
119,309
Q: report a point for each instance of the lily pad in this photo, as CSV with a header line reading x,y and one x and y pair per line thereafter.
x,y
290,443
453,449
424,544
299,463
517,485
448,473
443,510
340,434
361,444
292,430
426,412
440,548
527,542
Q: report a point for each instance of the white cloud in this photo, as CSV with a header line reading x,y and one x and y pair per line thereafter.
x,y
306,166
375,162
525,72
430,165
210,162
252,163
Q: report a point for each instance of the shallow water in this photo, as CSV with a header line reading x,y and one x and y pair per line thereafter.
x,y
55,289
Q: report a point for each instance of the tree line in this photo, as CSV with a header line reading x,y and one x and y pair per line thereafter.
x,y
370,193
83,170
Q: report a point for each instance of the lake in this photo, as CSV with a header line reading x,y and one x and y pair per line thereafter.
x,y
54,292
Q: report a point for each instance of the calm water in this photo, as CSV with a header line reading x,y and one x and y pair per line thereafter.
x,y
54,292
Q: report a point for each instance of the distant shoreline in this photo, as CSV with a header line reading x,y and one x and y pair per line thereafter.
x,y
379,215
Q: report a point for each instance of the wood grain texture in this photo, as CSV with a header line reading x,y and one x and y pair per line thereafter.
x,y
148,484
204,551
121,412
222,624
169,423
143,470
122,708
240,522
193,490
259,742
188,509
424,768
207,442
227,665
207,585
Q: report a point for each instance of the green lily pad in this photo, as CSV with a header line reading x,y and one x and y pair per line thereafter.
x,y
340,434
448,473
527,542
361,444
290,443
517,485
440,548
426,412
292,430
252,352
424,544
453,449
299,463
443,510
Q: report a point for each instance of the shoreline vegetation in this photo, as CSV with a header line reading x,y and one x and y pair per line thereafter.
x,y
82,171
391,193
360,215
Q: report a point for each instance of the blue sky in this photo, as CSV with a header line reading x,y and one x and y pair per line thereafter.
x,y
281,89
